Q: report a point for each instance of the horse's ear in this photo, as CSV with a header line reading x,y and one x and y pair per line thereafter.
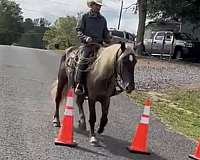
x,y
123,46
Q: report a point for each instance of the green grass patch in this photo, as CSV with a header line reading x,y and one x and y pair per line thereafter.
x,y
179,109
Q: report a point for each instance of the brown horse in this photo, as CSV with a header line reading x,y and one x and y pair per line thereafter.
x,y
114,66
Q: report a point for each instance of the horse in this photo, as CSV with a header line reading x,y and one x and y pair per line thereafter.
x,y
114,66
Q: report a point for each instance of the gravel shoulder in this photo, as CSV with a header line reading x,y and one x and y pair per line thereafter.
x,y
155,74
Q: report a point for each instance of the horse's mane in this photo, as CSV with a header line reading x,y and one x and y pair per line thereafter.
x,y
103,67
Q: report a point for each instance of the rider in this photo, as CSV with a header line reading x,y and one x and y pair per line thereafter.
x,y
92,27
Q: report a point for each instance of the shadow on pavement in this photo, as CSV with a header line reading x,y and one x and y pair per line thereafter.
x,y
85,133
118,147
91,151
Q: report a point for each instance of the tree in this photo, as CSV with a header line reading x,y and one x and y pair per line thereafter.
x,y
142,7
183,11
33,33
10,22
62,33
179,9
28,24
42,22
32,39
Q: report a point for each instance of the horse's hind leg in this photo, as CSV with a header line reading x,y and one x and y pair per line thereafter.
x,y
82,123
104,118
62,81
61,85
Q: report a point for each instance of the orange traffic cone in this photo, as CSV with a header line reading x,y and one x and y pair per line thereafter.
x,y
197,152
139,140
65,135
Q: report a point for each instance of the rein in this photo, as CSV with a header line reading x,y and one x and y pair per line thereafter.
x,y
117,75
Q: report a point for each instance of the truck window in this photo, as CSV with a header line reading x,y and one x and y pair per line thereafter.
x,y
127,35
168,36
118,34
131,37
160,36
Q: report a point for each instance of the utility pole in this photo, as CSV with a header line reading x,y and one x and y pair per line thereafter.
x,y
120,15
142,8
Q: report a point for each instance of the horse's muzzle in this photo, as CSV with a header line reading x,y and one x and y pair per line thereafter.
x,y
130,87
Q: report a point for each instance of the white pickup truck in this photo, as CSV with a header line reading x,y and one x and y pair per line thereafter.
x,y
122,36
176,45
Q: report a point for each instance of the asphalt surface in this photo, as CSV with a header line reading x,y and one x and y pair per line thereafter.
x,y
26,110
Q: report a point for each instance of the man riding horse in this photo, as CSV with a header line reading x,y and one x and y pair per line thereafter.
x,y
91,28
113,68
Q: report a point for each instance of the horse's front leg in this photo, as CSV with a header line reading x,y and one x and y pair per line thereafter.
x,y
105,103
82,123
92,120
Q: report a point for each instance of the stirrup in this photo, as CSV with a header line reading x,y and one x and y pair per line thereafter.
x,y
78,90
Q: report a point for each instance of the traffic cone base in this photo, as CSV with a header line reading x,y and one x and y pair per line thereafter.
x,y
194,157
137,151
66,143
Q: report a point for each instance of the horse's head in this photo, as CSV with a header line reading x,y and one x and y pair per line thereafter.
x,y
125,68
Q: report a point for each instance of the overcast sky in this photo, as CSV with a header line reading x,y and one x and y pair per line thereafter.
x,y
52,9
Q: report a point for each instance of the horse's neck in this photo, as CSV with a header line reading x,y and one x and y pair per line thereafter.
x,y
104,66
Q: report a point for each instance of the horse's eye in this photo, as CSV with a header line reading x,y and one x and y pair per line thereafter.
x,y
131,58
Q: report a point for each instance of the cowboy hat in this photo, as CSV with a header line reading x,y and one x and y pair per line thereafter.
x,y
89,2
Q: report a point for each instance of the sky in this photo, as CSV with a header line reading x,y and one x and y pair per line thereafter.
x,y
52,9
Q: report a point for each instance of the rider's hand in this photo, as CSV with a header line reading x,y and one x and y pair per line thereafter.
x,y
88,40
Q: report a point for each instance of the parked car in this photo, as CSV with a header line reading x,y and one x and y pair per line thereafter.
x,y
176,45
122,36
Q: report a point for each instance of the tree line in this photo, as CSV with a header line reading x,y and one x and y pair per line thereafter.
x,y
15,30
39,33
34,33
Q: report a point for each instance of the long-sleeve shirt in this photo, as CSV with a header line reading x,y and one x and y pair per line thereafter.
x,y
93,25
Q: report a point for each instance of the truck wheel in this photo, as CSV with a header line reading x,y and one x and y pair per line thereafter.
x,y
178,54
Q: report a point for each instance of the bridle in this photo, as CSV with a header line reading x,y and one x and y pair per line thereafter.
x,y
118,74
118,70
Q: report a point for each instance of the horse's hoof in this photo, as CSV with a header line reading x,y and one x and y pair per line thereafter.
x,y
100,130
94,141
100,137
56,123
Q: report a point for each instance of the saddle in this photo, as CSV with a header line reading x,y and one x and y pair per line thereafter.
x,y
73,55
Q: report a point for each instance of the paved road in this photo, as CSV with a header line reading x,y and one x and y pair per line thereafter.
x,y
26,131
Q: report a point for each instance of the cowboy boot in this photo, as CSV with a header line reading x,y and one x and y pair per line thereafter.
x,y
79,90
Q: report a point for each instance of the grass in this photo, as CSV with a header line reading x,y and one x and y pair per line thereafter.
x,y
178,109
